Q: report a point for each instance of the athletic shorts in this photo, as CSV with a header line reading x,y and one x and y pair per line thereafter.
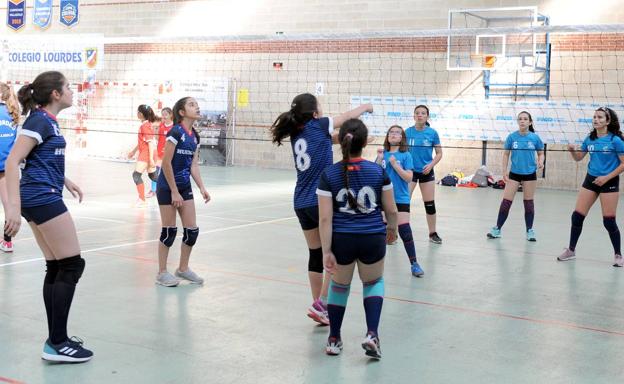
x,y
612,185
42,213
421,177
308,217
368,248
520,178
163,195
403,207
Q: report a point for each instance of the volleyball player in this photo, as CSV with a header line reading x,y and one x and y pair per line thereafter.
x,y
166,123
145,148
351,195
9,118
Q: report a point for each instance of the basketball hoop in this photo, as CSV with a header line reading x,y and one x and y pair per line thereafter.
x,y
485,61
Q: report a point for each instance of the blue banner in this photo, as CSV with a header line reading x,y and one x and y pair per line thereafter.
x,y
69,12
16,14
42,14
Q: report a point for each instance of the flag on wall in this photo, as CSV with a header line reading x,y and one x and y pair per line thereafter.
x,y
16,14
69,12
42,13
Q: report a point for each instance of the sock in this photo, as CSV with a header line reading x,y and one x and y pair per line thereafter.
x,y
155,183
141,190
336,306
529,213
70,270
373,301
503,212
614,233
7,238
405,232
48,283
575,229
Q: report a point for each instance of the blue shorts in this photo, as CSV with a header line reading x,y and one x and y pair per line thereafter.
x,y
308,217
368,248
163,195
42,213
421,177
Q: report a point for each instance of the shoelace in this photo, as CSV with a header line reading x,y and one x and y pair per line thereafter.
x,y
76,340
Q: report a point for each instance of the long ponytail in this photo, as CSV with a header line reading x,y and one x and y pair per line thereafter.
x,y
290,123
352,136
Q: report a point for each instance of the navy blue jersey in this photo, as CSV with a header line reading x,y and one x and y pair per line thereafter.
x,y
366,182
185,146
43,176
7,134
312,153
604,154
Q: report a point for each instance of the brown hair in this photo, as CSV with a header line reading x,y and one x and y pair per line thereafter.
x,y
39,91
8,97
402,145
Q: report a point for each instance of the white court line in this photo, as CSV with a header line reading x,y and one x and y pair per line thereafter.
x,y
156,240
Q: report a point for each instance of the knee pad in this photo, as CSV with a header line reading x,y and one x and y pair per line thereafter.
x,y
610,224
374,288
136,176
190,236
70,269
168,235
577,219
315,262
405,232
52,269
430,207
153,176
338,294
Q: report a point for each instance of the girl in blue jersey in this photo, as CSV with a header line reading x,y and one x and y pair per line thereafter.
x,y
9,118
399,166
311,137
352,194
521,146
38,197
174,192
605,146
422,140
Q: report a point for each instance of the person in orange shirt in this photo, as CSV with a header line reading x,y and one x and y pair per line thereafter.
x,y
166,123
145,148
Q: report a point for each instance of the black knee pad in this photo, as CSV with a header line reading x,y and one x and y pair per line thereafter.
x,y
70,269
190,236
136,176
52,269
168,235
430,207
315,262
577,219
610,224
153,176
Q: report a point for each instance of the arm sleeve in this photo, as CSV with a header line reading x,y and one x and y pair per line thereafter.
x,y
324,188
408,162
174,136
146,132
38,128
508,142
327,124
584,145
618,144
539,145
387,184
436,138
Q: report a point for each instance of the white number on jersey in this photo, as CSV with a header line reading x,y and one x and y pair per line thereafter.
x,y
366,193
302,159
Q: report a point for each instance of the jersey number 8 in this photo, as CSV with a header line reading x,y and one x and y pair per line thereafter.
x,y
366,193
302,159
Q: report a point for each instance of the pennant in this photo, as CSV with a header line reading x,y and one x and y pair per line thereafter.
x,y
42,13
16,14
69,12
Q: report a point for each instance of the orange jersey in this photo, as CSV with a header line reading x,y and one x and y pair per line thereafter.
x,y
146,135
162,138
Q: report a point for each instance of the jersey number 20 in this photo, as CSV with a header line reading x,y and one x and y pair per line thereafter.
x,y
366,193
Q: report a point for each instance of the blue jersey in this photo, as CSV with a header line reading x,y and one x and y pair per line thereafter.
x,y
185,146
401,187
43,176
312,152
7,134
523,147
421,143
604,154
366,182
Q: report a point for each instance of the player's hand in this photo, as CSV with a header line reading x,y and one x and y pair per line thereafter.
x,y
176,199
205,195
427,169
540,165
601,180
131,154
571,147
74,189
506,177
393,160
391,235
12,221
329,262
369,108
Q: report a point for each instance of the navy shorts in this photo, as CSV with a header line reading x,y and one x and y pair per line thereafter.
x,y
308,217
421,177
163,195
520,178
368,248
403,207
42,213
612,185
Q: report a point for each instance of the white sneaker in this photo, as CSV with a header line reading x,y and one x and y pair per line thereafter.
x,y
166,279
190,276
6,246
333,347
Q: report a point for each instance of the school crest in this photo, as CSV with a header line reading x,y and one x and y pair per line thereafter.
x,y
91,55
69,12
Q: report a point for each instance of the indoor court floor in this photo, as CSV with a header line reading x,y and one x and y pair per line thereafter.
x,y
486,311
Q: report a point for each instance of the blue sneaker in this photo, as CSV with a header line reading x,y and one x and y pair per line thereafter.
x,y
70,351
531,235
495,233
417,270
